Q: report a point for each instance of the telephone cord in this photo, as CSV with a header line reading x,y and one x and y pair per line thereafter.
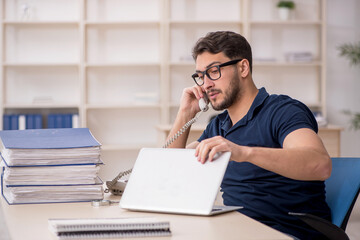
x,y
182,130
120,175
167,144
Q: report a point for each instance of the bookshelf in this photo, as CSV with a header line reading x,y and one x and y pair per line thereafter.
x,y
40,49
121,65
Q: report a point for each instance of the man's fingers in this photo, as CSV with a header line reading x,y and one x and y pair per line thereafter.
x,y
208,148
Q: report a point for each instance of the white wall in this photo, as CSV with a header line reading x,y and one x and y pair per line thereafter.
x,y
343,80
343,83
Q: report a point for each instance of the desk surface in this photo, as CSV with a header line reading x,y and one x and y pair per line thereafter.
x,y
30,221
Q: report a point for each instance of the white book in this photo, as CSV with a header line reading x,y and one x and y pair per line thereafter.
x,y
52,193
22,122
52,175
75,121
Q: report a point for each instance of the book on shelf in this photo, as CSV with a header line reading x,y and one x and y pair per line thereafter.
x,y
32,121
10,122
35,121
22,121
50,165
62,121
109,228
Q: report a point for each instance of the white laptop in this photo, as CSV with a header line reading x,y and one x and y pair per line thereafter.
x,y
173,181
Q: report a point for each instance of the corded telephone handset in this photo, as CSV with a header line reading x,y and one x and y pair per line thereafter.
x,y
116,186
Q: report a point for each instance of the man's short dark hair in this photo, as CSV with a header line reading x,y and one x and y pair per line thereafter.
x,y
232,44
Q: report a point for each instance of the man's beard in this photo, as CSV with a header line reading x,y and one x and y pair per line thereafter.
x,y
231,95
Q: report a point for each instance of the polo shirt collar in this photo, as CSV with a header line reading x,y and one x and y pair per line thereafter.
x,y
225,120
258,101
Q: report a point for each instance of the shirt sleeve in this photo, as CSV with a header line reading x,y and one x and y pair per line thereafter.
x,y
290,116
202,137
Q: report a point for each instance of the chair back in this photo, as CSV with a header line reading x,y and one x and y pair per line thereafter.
x,y
342,189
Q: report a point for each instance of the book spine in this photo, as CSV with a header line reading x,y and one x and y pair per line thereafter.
x,y
58,121
62,121
14,122
51,121
75,121
29,121
6,122
37,121
22,122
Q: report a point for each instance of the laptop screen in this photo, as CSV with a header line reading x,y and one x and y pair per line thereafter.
x,y
172,180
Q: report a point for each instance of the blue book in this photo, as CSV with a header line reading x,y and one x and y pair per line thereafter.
x,y
49,147
67,120
14,119
58,121
29,121
48,138
6,122
51,121
37,121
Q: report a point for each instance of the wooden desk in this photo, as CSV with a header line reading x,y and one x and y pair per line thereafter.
x,y
31,222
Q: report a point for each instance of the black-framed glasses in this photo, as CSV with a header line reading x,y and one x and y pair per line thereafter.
x,y
213,72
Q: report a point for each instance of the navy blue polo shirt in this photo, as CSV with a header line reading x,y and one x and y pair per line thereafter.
x,y
267,196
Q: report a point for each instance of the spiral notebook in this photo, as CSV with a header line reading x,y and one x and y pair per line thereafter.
x,y
108,228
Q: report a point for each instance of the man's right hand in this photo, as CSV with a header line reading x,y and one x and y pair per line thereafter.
x,y
189,102
189,107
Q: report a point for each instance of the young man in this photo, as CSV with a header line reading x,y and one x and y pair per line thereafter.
x,y
278,162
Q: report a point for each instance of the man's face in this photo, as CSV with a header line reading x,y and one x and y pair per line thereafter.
x,y
224,91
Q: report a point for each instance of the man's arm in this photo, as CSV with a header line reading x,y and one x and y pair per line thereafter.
x,y
193,145
181,119
189,106
303,156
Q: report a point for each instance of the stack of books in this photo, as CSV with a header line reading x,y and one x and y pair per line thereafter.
x,y
50,165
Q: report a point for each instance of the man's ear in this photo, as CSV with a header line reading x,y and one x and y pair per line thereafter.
x,y
244,68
